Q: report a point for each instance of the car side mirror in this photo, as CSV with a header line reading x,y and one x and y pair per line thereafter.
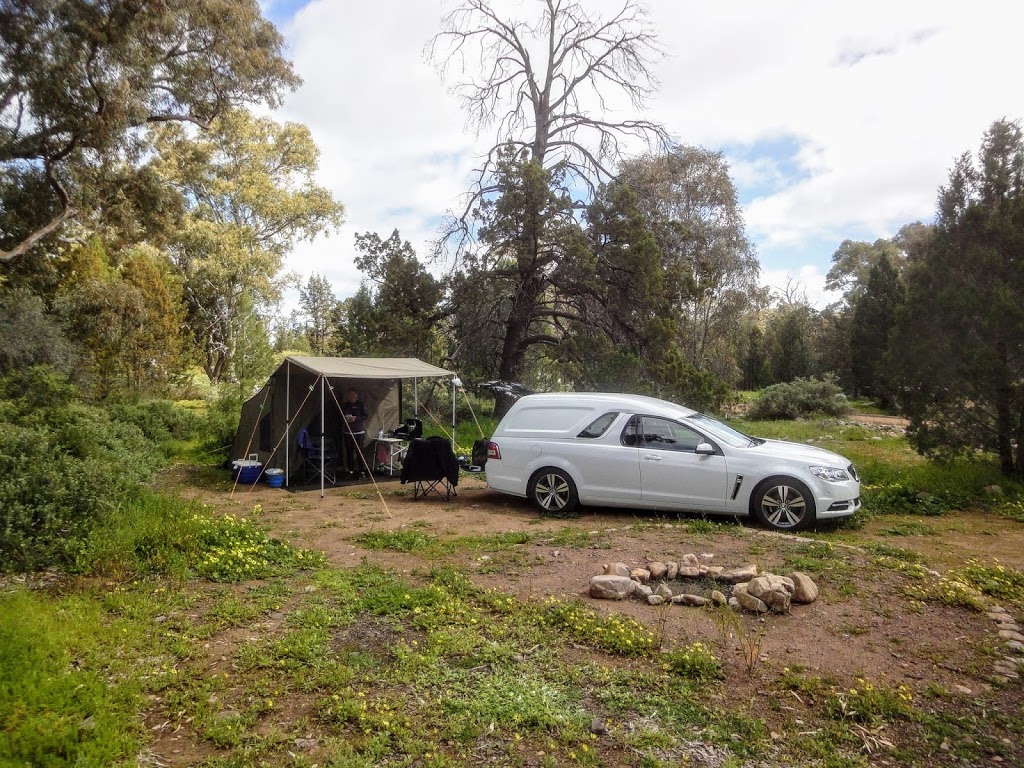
x,y
705,449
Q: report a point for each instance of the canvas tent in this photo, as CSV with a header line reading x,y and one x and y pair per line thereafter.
x,y
305,392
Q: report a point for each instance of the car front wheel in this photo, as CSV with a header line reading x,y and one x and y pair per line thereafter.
x,y
784,504
554,492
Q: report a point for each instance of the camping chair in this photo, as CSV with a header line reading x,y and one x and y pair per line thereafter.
x,y
312,451
430,465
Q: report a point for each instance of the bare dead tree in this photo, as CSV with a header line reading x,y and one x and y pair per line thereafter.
x,y
546,86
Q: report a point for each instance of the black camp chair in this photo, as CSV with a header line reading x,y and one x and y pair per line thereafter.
x,y
430,465
312,451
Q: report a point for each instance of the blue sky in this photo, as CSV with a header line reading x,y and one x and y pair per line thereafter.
x,y
839,120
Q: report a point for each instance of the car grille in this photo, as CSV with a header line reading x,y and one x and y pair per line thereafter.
x,y
853,473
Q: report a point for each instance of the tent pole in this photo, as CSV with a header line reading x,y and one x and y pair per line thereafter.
x,y
287,419
323,386
454,379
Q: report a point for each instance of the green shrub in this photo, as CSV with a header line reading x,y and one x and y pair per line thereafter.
x,y
63,465
159,420
802,397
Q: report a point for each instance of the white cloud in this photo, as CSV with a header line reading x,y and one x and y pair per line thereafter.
x,y
879,98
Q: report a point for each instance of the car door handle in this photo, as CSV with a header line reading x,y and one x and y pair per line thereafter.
x,y
652,458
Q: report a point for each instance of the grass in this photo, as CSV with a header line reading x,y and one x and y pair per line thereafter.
x,y
240,644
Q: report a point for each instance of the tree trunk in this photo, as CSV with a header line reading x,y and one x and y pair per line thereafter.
x,y
1019,461
513,350
1004,430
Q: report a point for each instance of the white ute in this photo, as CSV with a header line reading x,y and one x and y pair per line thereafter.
x,y
613,450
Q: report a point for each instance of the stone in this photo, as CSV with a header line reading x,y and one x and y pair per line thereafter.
x,y
694,600
774,591
715,571
1016,645
664,590
689,567
671,570
998,616
306,745
993,490
1006,634
963,689
804,589
718,598
616,569
657,570
643,590
734,602
655,599
611,587
640,574
750,603
598,728
738,575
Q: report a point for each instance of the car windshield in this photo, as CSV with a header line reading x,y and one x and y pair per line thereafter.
x,y
722,432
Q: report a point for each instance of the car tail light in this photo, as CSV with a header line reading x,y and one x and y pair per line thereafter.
x,y
493,452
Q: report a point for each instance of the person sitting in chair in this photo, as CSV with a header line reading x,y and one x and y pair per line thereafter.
x,y
354,430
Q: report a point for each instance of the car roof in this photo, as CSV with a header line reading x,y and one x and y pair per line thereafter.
x,y
613,401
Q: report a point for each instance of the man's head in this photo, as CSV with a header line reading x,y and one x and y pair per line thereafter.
x,y
352,396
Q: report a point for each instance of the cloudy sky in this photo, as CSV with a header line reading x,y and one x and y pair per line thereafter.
x,y
839,120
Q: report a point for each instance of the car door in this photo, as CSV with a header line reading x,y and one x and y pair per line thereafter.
x,y
608,466
672,473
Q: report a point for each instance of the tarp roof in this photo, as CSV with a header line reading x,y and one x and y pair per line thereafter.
x,y
368,367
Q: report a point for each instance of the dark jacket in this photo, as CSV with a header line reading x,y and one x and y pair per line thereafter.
x,y
358,410
430,459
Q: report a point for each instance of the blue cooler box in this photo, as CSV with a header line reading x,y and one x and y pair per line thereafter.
x,y
246,470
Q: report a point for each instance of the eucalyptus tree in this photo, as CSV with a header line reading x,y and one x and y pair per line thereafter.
x,y
710,266
958,346
79,79
251,196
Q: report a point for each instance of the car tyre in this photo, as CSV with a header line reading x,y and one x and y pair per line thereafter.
x,y
554,492
783,504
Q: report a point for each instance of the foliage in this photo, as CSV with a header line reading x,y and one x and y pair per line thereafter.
x,y
956,356
28,334
397,308
799,398
56,709
159,420
251,197
318,302
80,79
710,271
864,702
232,549
547,146
695,661
63,466
874,316
997,580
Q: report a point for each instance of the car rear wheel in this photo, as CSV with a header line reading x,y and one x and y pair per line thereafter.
x,y
784,504
554,492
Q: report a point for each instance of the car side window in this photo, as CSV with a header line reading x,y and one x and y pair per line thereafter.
x,y
631,432
599,425
667,435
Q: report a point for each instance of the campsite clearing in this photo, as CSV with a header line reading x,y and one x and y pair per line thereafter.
x,y
888,666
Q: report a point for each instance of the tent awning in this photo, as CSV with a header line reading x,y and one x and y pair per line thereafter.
x,y
368,367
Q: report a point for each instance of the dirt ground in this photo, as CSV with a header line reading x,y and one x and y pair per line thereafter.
x,y
862,624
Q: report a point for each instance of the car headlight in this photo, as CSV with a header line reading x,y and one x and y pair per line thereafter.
x,y
832,474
